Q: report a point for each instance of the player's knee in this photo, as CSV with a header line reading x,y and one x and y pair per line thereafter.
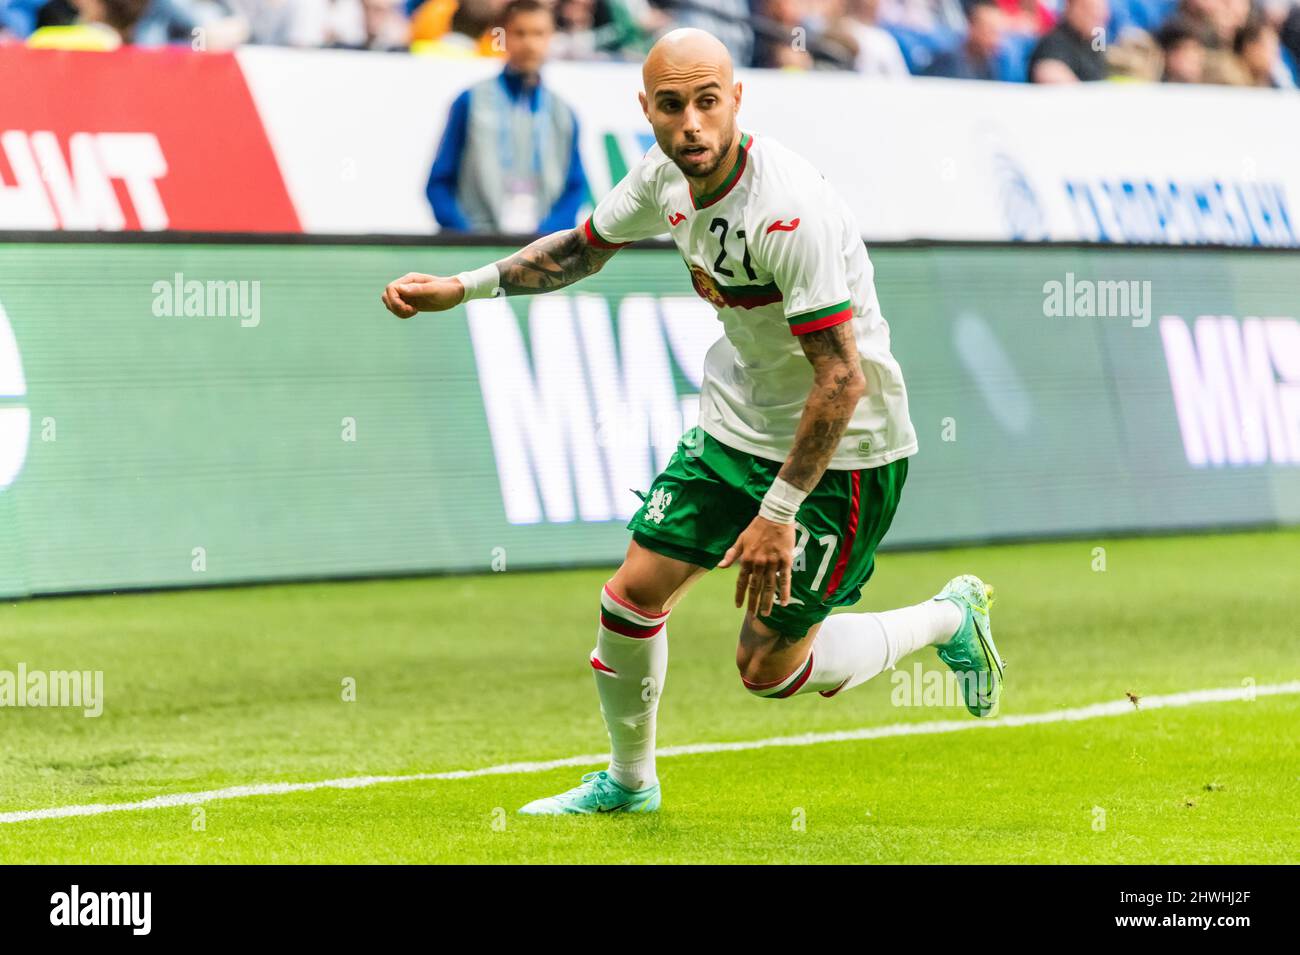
x,y
647,598
759,672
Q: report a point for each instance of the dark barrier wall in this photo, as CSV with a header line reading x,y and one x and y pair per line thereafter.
x,y
176,414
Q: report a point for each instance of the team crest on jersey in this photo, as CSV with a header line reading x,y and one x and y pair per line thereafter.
x,y
658,503
706,287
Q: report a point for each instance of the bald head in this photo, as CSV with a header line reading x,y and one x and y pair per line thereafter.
x,y
683,54
691,98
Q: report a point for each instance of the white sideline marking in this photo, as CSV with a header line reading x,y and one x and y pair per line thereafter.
x,y
1096,710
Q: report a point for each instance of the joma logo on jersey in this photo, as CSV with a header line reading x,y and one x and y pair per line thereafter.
x,y
676,217
579,415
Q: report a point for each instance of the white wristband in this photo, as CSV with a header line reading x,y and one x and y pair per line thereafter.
x,y
781,502
481,283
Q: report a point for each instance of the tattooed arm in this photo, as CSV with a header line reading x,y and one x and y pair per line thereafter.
x,y
550,263
765,550
838,386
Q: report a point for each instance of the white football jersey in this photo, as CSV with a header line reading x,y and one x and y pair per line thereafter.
x,y
779,255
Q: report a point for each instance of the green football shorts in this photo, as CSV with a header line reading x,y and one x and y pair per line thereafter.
x,y
709,493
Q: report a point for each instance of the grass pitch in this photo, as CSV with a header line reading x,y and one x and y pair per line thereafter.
x,y
212,689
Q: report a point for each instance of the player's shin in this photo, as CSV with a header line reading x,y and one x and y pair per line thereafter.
x,y
851,648
630,662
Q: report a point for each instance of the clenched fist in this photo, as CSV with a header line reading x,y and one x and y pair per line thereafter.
x,y
417,292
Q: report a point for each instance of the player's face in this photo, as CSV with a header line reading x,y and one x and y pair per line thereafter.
x,y
694,120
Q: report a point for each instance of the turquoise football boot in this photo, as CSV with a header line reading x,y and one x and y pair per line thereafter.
x,y
971,653
597,793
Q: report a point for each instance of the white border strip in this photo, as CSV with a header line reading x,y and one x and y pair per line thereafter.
x,y
1076,714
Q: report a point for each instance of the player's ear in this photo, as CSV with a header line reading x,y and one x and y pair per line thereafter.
x,y
735,96
645,104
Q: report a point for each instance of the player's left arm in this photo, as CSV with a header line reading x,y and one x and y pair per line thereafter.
x,y
766,547
809,269
838,386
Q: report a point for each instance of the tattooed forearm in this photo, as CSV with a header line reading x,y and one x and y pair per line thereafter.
x,y
552,262
838,385
814,445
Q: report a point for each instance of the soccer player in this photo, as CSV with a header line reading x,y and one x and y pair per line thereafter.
x,y
796,467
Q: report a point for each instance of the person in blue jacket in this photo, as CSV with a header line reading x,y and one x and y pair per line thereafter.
x,y
508,161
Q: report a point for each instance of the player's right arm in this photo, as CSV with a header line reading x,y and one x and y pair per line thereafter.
x,y
627,213
550,263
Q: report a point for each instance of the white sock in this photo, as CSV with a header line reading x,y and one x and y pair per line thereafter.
x,y
630,662
851,648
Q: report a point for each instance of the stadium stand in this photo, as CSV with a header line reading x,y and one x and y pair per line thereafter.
x,y
1247,42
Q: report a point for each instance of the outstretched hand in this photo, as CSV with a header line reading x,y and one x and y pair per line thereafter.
x,y
765,550
417,292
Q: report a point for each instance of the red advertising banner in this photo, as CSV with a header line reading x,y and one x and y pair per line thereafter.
x,y
135,140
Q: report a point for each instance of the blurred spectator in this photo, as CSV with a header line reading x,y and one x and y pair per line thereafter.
x,y
18,17
56,13
1030,17
1219,20
820,15
927,16
650,22
1203,14
99,25
878,52
1257,46
1074,50
728,20
1290,33
202,24
508,160
1235,42
303,23
384,27
837,46
466,35
1134,56
431,19
785,44
1183,43
606,29
1231,17
319,23
575,36
975,59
